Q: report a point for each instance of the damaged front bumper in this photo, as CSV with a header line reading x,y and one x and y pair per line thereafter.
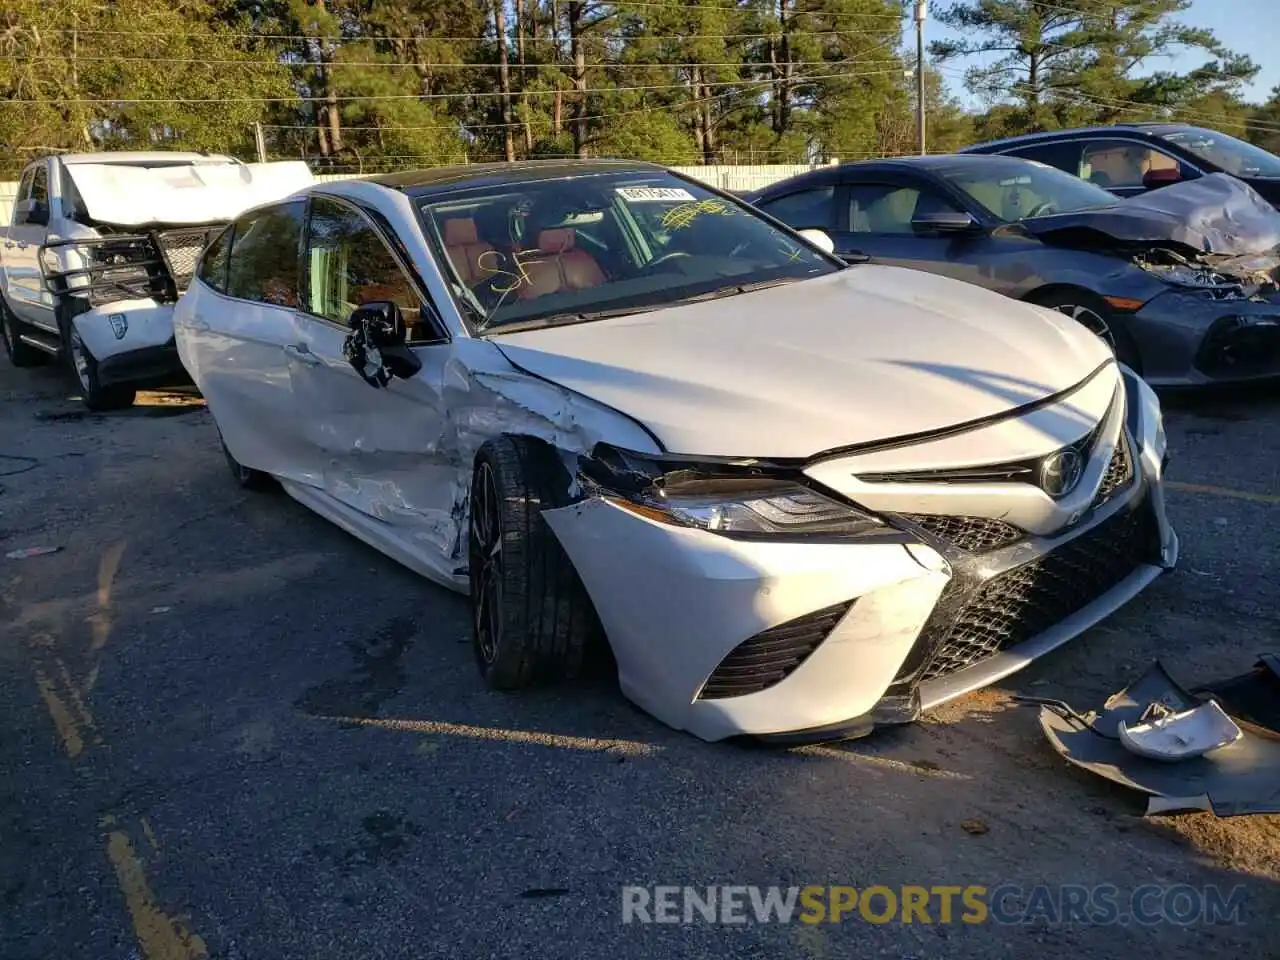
x,y
132,342
1191,339
796,641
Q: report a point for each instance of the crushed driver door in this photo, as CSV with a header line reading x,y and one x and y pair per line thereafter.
x,y
386,452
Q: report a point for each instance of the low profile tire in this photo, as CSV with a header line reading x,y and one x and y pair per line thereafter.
x,y
532,621
84,372
1092,313
247,477
20,354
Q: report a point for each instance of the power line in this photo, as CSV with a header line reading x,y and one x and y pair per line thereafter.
x,y
1130,106
601,65
388,96
386,164
835,15
375,38
1134,106
655,108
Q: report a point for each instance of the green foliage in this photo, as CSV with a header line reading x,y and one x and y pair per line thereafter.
x,y
373,85
76,78
1078,62
1264,129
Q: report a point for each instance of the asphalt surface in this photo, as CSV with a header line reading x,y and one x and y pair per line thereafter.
x,y
227,729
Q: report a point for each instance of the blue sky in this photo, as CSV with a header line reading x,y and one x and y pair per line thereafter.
x,y
1246,26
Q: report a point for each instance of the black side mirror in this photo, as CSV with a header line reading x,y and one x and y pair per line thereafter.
x,y
377,347
33,211
944,221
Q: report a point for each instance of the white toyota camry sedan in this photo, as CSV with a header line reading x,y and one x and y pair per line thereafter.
x,y
798,499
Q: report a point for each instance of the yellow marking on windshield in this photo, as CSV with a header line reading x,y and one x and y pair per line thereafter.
x,y
516,278
677,218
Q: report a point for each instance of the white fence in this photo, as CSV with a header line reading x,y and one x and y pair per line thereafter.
x,y
737,178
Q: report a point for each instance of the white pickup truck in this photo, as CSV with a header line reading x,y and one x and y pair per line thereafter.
x,y
99,250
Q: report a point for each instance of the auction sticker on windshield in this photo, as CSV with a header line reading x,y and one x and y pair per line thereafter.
x,y
654,194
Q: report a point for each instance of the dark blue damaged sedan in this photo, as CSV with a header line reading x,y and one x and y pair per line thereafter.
x,y
1183,282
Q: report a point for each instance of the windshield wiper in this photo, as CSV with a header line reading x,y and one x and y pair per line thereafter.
x,y
732,290
568,318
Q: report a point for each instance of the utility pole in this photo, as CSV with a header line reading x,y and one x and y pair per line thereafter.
x,y
920,14
259,142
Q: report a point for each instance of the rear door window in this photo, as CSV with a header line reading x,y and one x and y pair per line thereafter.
x,y
814,208
1065,156
40,185
264,255
889,208
1121,163
213,265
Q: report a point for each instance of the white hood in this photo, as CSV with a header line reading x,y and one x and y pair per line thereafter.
x,y
866,354
211,191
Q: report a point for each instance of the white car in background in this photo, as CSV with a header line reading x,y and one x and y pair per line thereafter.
x,y
100,247
798,499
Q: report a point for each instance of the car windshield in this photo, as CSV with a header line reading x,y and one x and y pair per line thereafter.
x,y
580,248
1014,190
1234,156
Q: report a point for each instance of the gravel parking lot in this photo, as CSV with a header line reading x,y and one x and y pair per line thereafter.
x,y
227,729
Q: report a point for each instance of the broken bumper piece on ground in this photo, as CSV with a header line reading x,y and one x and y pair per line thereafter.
x,y
1240,778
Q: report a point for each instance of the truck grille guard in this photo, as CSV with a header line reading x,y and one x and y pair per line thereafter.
x,y
156,265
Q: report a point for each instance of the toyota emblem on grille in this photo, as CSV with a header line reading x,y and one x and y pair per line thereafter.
x,y
1060,472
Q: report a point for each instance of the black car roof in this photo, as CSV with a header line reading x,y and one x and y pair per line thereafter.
x,y
419,182
1049,136
934,162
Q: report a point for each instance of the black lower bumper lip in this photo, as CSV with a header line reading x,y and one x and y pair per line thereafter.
x,y
148,366
889,711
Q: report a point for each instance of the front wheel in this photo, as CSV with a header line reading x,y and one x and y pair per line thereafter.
x,y
1093,314
532,621
246,477
84,370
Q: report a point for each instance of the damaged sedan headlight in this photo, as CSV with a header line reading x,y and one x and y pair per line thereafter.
x,y
745,505
1216,285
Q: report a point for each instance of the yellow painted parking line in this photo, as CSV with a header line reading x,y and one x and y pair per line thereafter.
x,y
1221,492
100,620
64,722
632,747
71,717
160,936
150,834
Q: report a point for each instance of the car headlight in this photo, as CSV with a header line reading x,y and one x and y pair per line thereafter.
x,y
1217,285
746,504
1145,418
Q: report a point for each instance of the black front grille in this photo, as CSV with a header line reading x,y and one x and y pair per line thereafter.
x,y
974,534
1235,348
182,249
1119,472
1015,606
771,656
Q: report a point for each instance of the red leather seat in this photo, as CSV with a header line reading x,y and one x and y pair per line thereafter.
x,y
465,248
558,265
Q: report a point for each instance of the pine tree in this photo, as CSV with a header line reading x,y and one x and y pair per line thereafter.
x,y
1077,62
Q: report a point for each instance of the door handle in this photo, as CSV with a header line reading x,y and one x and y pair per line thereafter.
x,y
22,246
9,244
302,353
